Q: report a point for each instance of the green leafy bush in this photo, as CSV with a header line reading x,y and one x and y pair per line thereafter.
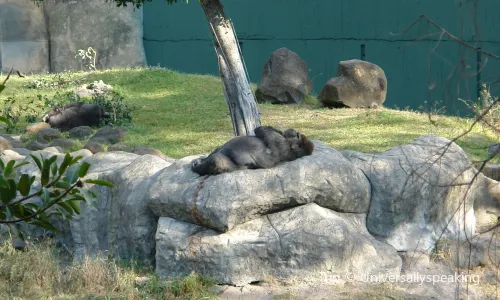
x,y
60,192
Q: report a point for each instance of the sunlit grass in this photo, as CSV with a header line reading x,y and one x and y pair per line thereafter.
x,y
186,114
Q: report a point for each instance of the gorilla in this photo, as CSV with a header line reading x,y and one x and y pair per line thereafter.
x,y
266,149
73,115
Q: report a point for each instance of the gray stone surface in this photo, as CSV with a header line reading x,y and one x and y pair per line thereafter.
x,y
284,79
418,191
226,200
114,33
358,84
121,222
308,242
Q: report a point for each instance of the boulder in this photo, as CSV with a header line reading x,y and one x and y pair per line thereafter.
x,y
36,145
36,127
418,192
284,79
94,146
115,34
4,144
121,222
358,84
80,132
113,134
24,40
97,88
492,170
121,146
48,135
14,141
226,200
308,242
141,150
63,143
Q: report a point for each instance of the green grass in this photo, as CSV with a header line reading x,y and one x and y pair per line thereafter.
x,y
186,114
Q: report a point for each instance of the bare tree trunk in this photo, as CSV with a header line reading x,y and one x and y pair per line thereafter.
x,y
239,96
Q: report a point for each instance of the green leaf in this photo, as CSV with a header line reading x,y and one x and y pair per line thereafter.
x,y
2,165
12,189
72,175
37,161
9,168
3,182
24,185
6,121
75,205
45,224
21,164
44,180
45,196
65,164
75,160
54,169
66,207
100,182
62,185
83,169
2,87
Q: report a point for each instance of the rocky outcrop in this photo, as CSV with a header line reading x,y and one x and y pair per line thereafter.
x,y
307,242
422,192
121,222
221,202
318,218
284,79
358,84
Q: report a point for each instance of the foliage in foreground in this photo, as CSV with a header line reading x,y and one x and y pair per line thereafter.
x,y
37,273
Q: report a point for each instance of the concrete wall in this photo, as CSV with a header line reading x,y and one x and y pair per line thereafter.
x,y
47,38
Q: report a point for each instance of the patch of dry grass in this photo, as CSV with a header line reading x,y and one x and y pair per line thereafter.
x,y
37,274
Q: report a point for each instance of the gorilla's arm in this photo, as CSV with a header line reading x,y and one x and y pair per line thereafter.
x,y
244,152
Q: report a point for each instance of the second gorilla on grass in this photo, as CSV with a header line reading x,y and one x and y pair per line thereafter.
x,y
266,149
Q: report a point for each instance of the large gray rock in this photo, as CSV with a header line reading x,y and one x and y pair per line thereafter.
x,y
23,37
226,200
115,34
120,222
97,88
307,242
358,84
418,193
284,79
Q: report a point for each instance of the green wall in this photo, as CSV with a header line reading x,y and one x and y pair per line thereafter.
x,y
324,32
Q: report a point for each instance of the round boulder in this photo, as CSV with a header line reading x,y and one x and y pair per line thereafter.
x,y
80,132
36,127
112,134
48,135
94,146
284,79
359,84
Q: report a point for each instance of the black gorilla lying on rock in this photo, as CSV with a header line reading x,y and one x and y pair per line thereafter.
x,y
266,149
73,115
